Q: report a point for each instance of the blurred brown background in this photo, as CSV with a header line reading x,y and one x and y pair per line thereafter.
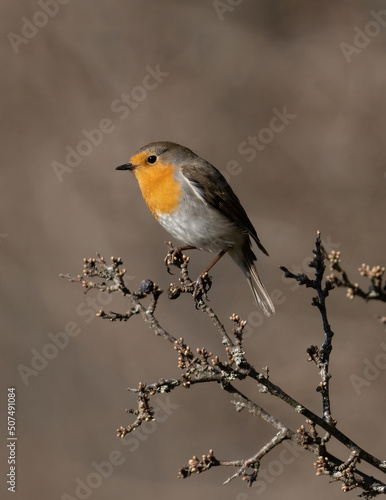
x,y
224,69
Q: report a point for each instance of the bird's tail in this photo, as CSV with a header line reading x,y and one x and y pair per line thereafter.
x,y
259,292
245,258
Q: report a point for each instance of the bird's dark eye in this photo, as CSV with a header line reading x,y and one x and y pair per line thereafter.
x,y
152,159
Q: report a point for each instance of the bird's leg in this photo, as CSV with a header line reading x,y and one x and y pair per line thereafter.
x,y
203,282
174,255
223,252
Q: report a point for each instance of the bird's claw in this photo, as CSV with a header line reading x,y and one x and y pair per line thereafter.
x,y
174,257
202,286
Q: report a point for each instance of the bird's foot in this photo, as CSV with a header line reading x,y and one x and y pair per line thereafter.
x,y
201,286
174,257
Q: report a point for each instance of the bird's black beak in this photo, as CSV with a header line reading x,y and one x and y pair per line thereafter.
x,y
126,166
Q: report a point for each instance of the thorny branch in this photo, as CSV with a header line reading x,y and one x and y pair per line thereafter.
x,y
201,366
321,356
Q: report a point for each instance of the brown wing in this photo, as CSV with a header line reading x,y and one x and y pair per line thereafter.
x,y
216,191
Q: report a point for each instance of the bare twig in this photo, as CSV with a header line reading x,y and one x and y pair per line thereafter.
x,y
200,366
321,356
376,289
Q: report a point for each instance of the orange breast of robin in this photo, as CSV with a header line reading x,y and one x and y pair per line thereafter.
x,y
159,187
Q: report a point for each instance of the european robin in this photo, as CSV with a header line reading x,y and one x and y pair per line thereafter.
x,y
192,200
